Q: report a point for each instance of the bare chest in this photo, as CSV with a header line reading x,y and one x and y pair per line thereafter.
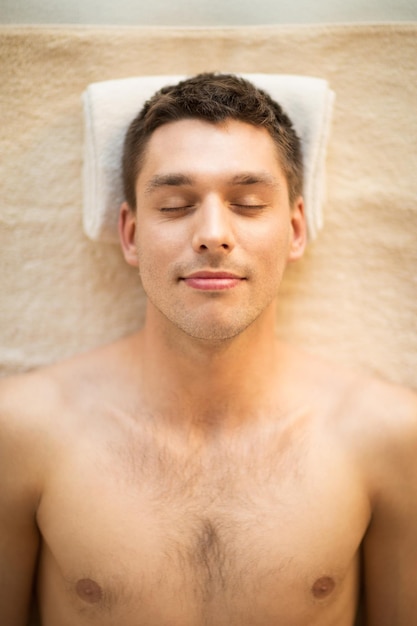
x,y
243,537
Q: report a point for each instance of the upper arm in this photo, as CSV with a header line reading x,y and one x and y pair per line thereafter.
x,y
19,495
390,545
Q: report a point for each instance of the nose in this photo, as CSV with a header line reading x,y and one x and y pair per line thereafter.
x,y
213,229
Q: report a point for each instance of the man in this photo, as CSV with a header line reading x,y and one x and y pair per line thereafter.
x,y
200,472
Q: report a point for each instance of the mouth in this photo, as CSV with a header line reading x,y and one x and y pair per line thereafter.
x,y
212,281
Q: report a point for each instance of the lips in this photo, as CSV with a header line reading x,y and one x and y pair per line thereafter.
x,y
212,281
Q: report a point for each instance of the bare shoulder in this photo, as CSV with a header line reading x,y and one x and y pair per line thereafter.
x,y
28,403
23,400
383,435
33,406
374,419
379,421
377,408
24,462
385,412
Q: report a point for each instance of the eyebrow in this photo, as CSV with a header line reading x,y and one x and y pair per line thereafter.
x,y
178,180
167,180
255,178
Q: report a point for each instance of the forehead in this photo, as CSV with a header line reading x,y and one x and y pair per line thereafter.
x,y
204,149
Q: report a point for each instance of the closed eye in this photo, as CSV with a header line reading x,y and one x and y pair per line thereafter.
x,y
172,209
249,207
171,213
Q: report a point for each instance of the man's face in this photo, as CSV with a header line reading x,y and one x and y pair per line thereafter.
x,y
213,229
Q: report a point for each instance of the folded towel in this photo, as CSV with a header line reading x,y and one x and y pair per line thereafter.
x,y
110,106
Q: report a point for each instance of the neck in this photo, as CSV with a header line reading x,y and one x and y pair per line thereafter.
x,y
205,383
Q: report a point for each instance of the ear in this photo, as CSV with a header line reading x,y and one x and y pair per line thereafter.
x,y
298,230
127,234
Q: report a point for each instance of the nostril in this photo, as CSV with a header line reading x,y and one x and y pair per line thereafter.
x,y
223,246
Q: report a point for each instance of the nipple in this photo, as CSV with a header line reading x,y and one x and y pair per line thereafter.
x,y
323,587
89,590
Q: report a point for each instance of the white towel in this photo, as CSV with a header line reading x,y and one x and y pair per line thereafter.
x,y
110,106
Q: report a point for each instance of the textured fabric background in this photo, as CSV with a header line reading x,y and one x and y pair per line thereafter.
x,y
352,298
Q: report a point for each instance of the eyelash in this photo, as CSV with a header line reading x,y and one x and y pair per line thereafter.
x,y
172,209
239,206
250,206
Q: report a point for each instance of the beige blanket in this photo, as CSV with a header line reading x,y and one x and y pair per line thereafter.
x,y
352,298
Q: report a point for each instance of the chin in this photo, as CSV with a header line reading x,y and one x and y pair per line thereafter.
x,y
212,325
214,332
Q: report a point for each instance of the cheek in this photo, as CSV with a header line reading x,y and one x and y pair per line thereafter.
x,y
154,243
160,236
158,253
269,245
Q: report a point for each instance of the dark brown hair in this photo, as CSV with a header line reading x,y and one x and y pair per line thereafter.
x,y
213,98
